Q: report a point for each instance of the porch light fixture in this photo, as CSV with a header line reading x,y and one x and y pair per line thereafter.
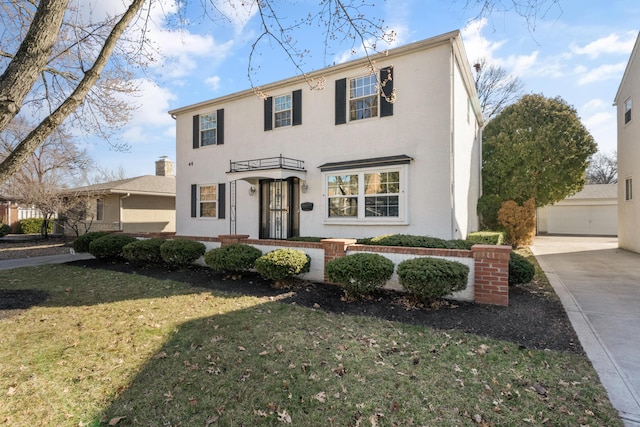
x,y
304,187
252,190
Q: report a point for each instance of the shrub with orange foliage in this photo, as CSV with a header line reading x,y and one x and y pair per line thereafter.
x,y
519,221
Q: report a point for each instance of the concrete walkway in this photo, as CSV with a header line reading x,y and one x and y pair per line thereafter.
x,y
50,259
599,286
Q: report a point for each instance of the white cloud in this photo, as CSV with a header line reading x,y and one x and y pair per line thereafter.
x,y
213,82
595,105
523,64
154,104
602,126
237,12
476,45
603,72
611,44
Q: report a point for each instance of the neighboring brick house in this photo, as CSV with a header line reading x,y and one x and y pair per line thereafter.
x,y
144,204
628,124
342,161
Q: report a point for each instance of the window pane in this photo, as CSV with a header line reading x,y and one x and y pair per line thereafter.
x,y
208,209
207,193
342,185
283,119
208,137
208,121
382,183
381,206
282,103
343,206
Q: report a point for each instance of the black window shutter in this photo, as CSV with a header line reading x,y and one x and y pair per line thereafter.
x,y
196,131
194,200
221,201
268,113
341,101
220,125
386,77
296,99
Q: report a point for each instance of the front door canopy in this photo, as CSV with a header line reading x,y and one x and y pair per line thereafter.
x,y
267,168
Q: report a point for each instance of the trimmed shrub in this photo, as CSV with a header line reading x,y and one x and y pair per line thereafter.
x,y
431,278
519,221
33,226
234,258
81,243
360,273
486,238
407,240
144,252
181,252
4,229
110,246
305,239
282,265
459,244
520,269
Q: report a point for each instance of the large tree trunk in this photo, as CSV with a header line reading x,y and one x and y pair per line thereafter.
x,y
31,58
27,146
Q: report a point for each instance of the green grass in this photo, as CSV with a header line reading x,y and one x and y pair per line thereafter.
x,y
108,345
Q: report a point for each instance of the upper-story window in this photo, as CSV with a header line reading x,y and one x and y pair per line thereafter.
x,y
282,110
208,129
363,97
627,111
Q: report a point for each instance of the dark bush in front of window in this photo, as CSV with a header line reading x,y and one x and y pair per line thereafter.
x,y
486,238
282,265
33,226
232,259
81,244
431,278
520,269
181,252
4,229
361,273
110,246
407,240
144,252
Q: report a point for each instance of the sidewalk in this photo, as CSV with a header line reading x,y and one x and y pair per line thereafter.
x,y
599,286
50,259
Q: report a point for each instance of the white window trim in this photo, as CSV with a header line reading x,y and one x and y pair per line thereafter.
x,y
290,110
198,201
361,219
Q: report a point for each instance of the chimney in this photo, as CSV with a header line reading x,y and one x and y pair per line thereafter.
x,y
164,166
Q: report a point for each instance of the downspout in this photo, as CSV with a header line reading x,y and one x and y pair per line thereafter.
x,y
452,139
120,225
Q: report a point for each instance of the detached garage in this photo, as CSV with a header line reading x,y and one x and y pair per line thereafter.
x,y
592,211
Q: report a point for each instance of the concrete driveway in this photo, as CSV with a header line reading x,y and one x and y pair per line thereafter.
x,y
599,286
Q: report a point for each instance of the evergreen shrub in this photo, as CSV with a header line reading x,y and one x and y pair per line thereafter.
x,y
431,278
144,252
230,259
520,269
282,265
486,238
4,229
110,246
33,226
81,243
360,273
181,252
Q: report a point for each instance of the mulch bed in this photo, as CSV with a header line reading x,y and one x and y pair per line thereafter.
x,y
534,319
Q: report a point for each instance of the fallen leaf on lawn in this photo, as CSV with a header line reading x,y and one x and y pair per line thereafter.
x,y
211,420
483,349
241,348
539,389
284,417
12,391
116,420
263,353
160,355
321,397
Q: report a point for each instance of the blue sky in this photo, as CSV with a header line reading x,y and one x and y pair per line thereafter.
x,y
576,50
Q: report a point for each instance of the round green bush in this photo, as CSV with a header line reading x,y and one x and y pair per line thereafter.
x,y
406,240
431,278
282,265
520,270
110,246
360,273
234,258
33,226
4,229
181,252
81,244
459,244
144,252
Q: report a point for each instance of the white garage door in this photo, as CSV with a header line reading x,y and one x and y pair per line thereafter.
x,y
590,220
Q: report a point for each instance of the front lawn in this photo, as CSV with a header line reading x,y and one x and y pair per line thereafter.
x,y
122,349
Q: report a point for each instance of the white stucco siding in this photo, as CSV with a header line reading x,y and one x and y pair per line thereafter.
x,y
419,128
629,154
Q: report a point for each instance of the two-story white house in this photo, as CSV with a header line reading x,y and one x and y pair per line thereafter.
x,y
628,124
346,161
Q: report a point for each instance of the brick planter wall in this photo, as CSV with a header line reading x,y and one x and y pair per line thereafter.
x,y
492,274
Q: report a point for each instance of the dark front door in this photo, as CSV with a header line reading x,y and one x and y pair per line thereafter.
x,y
279,216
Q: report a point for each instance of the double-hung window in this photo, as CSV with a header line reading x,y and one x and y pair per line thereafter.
x,y
628,189
627,111
282,110
363,97
368,195
208,129
207,201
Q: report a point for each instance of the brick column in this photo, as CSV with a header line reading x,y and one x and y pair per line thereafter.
x,y
334,248
492,274
229,239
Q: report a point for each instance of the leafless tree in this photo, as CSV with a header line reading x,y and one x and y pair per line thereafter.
x,y
603,169
64,64
496,88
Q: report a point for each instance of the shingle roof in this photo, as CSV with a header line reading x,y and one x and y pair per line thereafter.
x,y
597,191
147,184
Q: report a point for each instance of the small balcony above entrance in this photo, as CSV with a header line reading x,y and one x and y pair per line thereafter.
x,y
266,168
